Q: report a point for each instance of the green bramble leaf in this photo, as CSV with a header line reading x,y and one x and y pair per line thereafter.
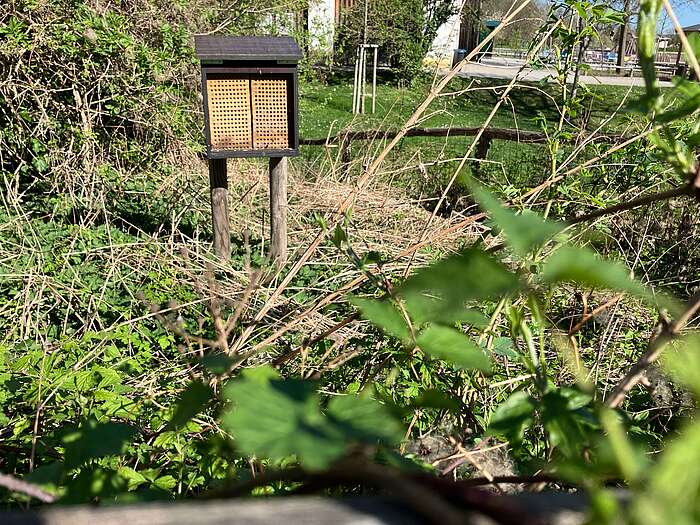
x,y
385,315
95,440
524,232
191,402
276,418
582,266
451,345
512,417
439,293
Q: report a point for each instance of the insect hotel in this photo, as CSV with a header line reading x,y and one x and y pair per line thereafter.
x,y
251,109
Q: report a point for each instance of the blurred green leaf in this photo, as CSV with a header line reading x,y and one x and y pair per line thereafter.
x,y
364,419
384,315
434,398
682,361
440,292
281,418
512,417
95,440
524,232
191,402
582,266
454,347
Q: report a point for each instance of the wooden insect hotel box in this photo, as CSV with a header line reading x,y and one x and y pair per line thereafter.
x,y
250,94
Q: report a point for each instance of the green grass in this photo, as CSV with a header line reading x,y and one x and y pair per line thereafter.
x,y
328,107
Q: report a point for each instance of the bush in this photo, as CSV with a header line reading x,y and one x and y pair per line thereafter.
x,y
404,30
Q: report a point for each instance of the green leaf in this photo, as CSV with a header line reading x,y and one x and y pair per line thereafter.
x,y
364,419
682,361
191,402
217,363
439,293
165,482
453,346
434,398
504,346
512,417
281,418
94,482
582,266
94,440
673,483
133,478
568,425
277,419
165,440
523,232
384,315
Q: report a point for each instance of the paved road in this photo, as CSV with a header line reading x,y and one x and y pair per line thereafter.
x,y
506,69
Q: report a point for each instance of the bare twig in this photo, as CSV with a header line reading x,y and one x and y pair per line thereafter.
x,y
656,346
13,484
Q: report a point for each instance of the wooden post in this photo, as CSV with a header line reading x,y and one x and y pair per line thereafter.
x,y
278,210
218,183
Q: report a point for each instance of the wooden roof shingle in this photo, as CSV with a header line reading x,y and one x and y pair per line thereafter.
x,y
215,47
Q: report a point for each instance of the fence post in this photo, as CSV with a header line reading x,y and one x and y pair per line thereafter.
x,y
218,183
278,210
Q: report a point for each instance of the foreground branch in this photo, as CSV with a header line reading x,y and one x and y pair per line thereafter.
x,y
668,332
22,487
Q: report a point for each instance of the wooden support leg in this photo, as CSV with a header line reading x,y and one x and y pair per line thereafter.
x,y
218,182
278,211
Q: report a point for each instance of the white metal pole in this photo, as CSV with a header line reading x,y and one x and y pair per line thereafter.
x,y
364,79
354,84
374,80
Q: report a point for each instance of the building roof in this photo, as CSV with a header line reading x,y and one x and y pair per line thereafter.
x,y
692,29
214,47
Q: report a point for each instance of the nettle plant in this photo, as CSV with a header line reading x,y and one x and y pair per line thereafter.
x,y
447,313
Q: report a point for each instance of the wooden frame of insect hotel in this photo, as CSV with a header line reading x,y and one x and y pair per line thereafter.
x,y
251,109
250,95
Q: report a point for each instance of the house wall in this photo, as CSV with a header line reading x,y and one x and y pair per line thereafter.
x,y
322,25
447,40
324,14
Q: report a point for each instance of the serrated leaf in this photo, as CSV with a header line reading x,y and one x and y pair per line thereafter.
x,y
439,293
134,478
165,482
504,346
453,346
277,419
523,232
582,266
567,424
191,402
165,439
94,440
512,417
281,418
364,419
384,315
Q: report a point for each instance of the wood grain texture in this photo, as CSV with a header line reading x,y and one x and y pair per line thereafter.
x,y
218,181
278,210
551,508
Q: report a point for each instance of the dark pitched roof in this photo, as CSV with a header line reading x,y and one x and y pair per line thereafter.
x,y
692,29
214,47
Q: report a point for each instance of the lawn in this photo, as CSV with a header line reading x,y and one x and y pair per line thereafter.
x,y
326,109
